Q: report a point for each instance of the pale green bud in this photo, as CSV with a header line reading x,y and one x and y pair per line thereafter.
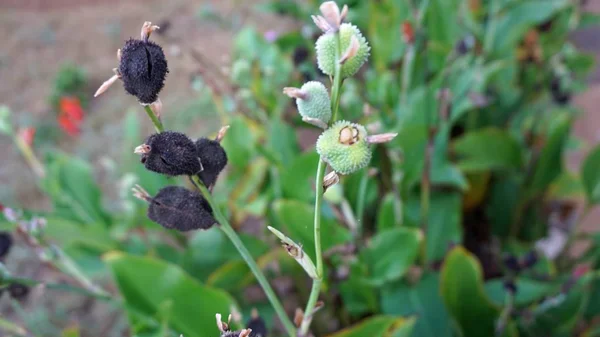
x,y
344,147
326,45
313,102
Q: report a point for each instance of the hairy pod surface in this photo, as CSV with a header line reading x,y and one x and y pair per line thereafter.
x,y
326,45
176,207
344,147
171,153
213,159
317,104
143,69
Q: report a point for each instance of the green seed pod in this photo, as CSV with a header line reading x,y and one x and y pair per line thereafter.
x,y
344,147
316,103
326,51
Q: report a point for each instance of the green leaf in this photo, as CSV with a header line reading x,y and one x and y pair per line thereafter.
x,y
391,252
444,224
297,180
464,295
209,250
514,21
228,277
147,285
75,195
296,218
487,149
377,326
590,176
282,141
528,291
239,143
550,162
421,300
358,295
386,218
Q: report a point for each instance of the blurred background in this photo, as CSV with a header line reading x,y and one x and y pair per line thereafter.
x,y
68,166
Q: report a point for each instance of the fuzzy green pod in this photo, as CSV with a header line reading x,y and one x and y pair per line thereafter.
x,y
344,147
316,103
326,51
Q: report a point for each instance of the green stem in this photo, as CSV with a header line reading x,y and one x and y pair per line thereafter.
x,y
158,126
239,245
317,282
360,203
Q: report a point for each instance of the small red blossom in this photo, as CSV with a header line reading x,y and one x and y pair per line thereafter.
x,y
70,115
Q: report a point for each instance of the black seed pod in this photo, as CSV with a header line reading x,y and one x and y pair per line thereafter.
x,y
258,326
170,153
5,243
213,159
176,207
143,69
18,290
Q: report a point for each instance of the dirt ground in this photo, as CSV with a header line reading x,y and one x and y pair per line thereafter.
x,y
38,36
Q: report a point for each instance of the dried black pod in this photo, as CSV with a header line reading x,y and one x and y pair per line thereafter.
x,y
143,69
170,153
213,159
176,207
5,243
18,290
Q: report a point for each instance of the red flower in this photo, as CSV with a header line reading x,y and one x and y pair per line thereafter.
x,y
70,115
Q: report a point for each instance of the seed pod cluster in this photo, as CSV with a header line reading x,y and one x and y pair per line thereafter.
x,y
176,207
143,69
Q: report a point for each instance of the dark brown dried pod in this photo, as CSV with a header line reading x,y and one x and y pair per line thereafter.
x,y
176,207
143,69
18,290
257,325
213,159
170,153
5,243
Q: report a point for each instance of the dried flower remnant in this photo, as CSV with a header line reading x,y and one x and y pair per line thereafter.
x,y
225,329
175,207
142,67
171,153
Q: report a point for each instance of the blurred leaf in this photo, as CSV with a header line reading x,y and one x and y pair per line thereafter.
x,y
444,226
567,186
589,19
239,143
514,21
297,220
358,295
282,142
376,326
74,193
528,291
297,180
487,149
464,296
5,120
208,250
390,253
421,300
228,276
386,218
590,176
192,305
550,163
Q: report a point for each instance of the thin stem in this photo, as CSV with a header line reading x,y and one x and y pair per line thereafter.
x,y
239,245
158,126
317,282
34,163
